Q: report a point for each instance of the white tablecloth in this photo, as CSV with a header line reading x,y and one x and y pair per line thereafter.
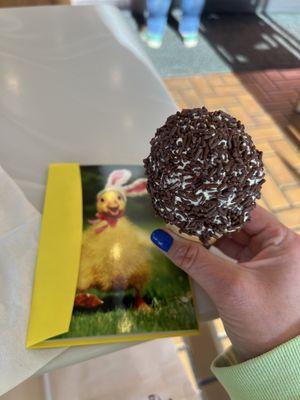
x,y
75,86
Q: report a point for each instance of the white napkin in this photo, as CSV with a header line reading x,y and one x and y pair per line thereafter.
x,y
19,231
131,374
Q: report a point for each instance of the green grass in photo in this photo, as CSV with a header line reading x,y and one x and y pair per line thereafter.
x,y
169,295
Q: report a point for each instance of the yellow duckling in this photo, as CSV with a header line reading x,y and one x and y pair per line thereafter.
x,y
115,252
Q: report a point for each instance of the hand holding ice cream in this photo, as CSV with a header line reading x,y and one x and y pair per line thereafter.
x,y
204,176
258,298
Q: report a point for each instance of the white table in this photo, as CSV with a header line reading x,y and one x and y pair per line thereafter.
x,y
75,86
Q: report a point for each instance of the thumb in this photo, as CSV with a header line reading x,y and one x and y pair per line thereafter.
x,y
213,273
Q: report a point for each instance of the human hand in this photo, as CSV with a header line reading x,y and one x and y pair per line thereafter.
x,y
258,298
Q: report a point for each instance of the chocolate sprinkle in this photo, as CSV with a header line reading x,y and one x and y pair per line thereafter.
x,y
204,173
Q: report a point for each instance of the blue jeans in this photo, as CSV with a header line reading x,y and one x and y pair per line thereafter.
x,y
158,13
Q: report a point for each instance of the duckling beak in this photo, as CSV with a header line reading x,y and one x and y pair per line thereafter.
x,y
114,211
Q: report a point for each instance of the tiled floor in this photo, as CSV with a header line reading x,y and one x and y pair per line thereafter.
x,y
264,101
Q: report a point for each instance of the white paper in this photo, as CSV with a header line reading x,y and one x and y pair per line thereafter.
x,y
19,231
131,374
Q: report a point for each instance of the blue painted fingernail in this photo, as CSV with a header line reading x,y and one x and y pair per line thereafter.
x,y
162,239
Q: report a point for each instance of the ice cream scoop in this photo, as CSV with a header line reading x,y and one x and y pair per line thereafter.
x,y
204,174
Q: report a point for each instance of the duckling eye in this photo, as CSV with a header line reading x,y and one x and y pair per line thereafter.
x,y
119,198
102,200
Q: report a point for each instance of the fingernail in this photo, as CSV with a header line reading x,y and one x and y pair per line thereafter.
x,y
162,239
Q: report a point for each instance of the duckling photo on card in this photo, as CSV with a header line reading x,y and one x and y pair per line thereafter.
x,y
125,285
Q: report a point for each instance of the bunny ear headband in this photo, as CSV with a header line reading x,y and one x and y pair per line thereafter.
x,y
118,178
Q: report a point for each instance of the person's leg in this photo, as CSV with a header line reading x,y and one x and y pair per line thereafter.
x,y
157,16
190,20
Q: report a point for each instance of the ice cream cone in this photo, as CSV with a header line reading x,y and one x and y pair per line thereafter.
x,y
193,238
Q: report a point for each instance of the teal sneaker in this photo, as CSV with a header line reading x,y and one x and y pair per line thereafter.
x,y
153,41
190,39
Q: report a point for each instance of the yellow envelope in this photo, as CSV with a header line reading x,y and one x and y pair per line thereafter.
x,y
58,256
57,266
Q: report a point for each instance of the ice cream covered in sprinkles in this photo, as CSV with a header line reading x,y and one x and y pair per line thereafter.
x,y
204,173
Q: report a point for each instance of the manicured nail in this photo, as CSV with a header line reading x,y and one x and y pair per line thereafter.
x,y
162,239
